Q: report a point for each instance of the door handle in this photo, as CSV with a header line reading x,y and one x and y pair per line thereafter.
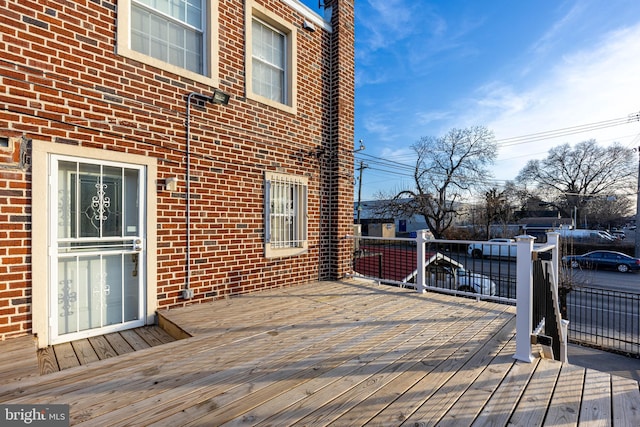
x,y
137,245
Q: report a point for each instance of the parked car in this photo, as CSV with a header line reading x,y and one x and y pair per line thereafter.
x,y
619,234
603,260
493,248
598,236
466,281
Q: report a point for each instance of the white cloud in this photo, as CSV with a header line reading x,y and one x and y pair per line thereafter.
x,y
428,117
552,36
374,125
386,21
591,85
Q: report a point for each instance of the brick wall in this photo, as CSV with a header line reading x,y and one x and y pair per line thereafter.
x,y
61,82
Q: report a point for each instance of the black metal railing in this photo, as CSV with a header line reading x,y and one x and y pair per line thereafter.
x,y
386,260
546,310
606,319
449,266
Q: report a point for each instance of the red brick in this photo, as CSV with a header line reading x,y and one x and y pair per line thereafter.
x,y
69,90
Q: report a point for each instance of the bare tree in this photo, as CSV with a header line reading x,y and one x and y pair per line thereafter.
x,y
498,209
571,178
446,168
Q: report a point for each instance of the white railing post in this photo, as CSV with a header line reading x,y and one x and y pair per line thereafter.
x,y
421,239
524,298
553,238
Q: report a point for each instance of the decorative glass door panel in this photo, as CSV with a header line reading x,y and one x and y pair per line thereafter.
x,y
97,274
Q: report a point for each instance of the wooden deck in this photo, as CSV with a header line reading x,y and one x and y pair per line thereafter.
x,y
81,352
335,353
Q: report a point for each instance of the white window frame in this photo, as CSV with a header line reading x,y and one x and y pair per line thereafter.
x,y
256,11
281,69
210,46
285,224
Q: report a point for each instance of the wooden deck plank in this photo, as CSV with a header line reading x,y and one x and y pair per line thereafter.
x,y
532,407
16,347
102,347
323,387
147,334
500,406
118,343
251,394
266,306
416,387
171,395
47,362
134,339
472,401
315,393
447,396
18,359
195,383
337,354
75,380
66,356
346,332
162,336
467,338
84,351
625,395
596,400
373,311
565,402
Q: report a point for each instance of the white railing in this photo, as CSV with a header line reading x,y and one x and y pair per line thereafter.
x,y
527,252
409,262
420,250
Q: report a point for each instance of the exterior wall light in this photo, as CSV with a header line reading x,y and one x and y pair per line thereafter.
x,y
171,184
219,97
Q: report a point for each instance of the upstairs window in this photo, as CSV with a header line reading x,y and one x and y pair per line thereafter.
x,y
285,215
179,36
270,58
268,62
169,30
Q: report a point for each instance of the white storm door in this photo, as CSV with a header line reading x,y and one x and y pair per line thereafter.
x,y
97,249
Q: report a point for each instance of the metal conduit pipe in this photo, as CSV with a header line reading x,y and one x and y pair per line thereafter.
x,y
217,97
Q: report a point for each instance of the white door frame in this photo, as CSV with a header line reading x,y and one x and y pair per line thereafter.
x,y
42,246
100,271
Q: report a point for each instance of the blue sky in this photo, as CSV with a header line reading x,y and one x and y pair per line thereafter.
x,y
567,71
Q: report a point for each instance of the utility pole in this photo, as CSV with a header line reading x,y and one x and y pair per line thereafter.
x,y
360,169
637,233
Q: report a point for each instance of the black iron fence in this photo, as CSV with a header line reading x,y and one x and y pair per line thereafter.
x,y
546,311
451,266
601,318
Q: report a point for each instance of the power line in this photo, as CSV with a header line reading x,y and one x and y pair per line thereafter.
x,y
399,168
557,133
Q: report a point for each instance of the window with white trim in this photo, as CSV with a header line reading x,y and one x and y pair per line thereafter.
x,y
169,30
268,61
270,58
179,36
285,214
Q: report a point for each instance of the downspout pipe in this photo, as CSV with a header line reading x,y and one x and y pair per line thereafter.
x,y
187,292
